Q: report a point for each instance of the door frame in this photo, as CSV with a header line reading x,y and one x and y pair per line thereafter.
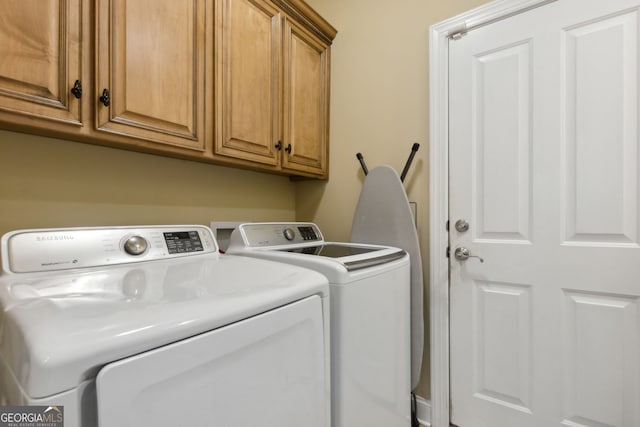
x,y
439,35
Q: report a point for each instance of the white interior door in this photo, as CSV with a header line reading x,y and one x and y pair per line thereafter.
x,y
544,167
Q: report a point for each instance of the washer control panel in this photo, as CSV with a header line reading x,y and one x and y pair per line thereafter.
x,y
259,234
28,251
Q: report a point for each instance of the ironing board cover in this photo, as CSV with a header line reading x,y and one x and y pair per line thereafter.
x,y
383,217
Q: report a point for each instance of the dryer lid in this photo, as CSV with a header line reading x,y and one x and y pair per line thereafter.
x,y
58,329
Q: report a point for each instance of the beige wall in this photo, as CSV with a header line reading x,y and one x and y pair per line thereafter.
x,y
379,106
47,182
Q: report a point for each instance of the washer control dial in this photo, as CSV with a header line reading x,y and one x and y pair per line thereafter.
x,y
135,245
289,234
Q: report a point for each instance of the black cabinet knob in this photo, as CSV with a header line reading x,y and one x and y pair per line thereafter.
x,y
76,90
105,98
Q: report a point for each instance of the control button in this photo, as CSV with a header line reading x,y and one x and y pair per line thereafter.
x,y
289,234
307,233
135,245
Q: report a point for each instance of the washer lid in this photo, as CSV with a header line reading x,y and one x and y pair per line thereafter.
x,y
294,242
58,329
332,250
363,256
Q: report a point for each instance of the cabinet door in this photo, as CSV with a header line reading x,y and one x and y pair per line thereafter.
x,y
40,58
306,101
151,61
247,80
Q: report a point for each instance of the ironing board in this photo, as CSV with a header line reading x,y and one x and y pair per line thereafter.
x,y
383,217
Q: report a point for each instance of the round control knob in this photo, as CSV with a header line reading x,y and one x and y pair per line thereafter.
x,y
289,234
135,245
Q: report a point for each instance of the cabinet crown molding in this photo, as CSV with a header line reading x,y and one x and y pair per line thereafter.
x,y
305,13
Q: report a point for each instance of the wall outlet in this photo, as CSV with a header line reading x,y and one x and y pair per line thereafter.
x,y
414,212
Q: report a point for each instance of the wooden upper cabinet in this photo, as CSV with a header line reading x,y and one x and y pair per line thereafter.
x,y
150,73
248,80
272,85
235,82
306,100
41,58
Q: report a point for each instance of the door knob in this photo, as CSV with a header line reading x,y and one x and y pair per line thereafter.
x,y
462,254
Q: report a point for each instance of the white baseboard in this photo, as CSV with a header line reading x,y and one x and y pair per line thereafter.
x,y
423,407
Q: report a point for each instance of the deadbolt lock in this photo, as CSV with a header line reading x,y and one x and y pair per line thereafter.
x,y
462,225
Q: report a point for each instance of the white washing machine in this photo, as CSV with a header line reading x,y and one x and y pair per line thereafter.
x,y
370,314
150,326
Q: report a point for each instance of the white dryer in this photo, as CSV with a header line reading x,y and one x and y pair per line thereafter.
x,y
370,314
150,326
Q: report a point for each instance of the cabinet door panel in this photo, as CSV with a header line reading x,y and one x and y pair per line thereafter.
x,y
247,80
306,97
40,58
151,59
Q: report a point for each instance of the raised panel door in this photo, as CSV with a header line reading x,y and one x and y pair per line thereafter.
x,y
306,101
543,149
41,58
248,81
151,61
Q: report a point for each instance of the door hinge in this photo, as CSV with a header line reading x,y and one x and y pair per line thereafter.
x,y
448,251
446,226
458,33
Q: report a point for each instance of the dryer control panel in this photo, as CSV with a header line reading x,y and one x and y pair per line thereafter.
x,y
29,251
264,234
